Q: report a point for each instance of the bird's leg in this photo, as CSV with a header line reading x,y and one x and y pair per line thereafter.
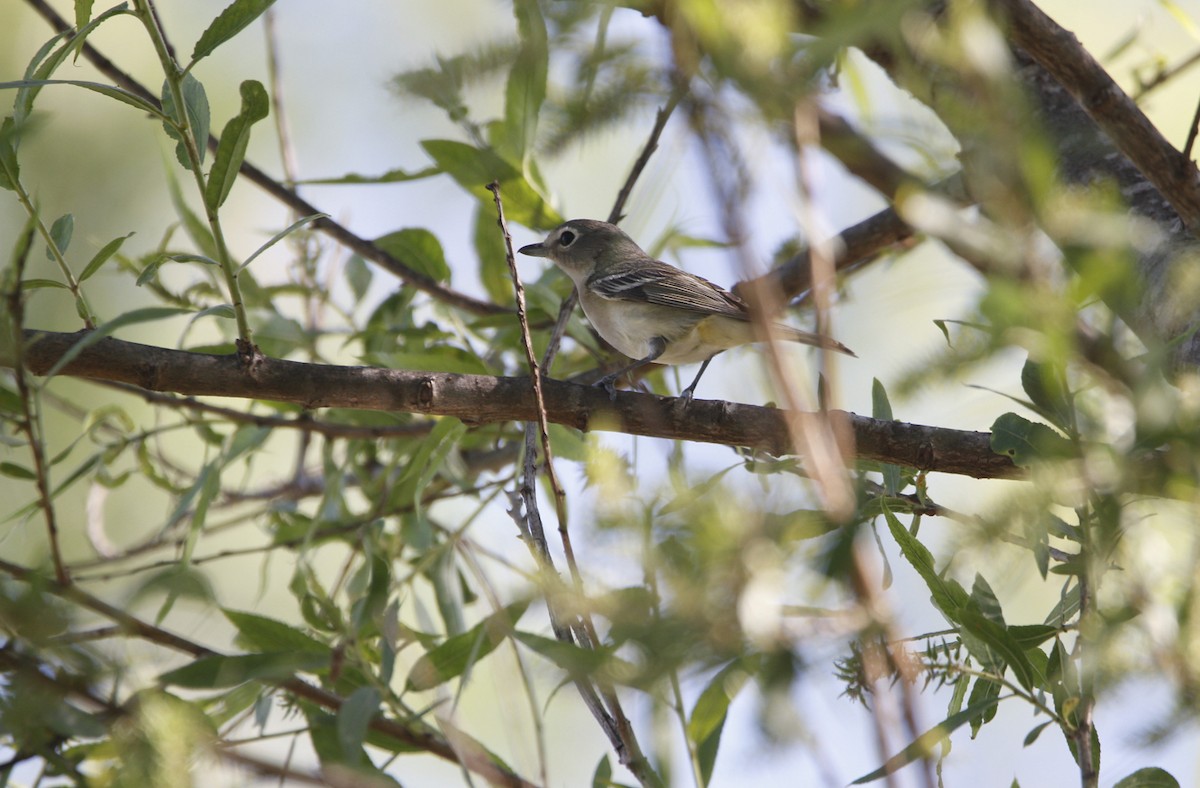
x,y
686,394
657,346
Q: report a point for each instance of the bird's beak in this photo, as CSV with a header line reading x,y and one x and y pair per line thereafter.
x,y
535,250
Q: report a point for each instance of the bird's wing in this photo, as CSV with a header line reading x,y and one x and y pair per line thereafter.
x,y
654,282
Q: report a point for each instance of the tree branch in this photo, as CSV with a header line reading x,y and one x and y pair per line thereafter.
x,y
480,399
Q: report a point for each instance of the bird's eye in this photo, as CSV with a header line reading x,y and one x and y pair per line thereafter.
x,y
566,239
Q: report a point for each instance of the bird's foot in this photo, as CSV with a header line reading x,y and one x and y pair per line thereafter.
x,y
606,383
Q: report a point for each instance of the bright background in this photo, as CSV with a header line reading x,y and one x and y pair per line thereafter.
x,y
90,159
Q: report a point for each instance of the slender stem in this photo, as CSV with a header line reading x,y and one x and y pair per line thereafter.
x,y
30,422
174,78
23,197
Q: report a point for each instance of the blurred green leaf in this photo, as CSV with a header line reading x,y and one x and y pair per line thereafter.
x,y
228,671
926,744
353,719
474,168
269,635
1026,442
60,234
526,88
458,653
144,315
419,249
391,176
1149,777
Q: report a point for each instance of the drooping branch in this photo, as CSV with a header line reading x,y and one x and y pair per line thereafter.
x,y
480,399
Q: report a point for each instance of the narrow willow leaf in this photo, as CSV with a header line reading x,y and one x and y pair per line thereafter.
x,y
456,654
353,718
102,257
526,87
231,150
881,409
267,634
233,20
279,236
83,13
391,176
10,170
222,671
924,744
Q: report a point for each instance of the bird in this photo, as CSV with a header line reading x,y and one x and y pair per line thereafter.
x,y
650,310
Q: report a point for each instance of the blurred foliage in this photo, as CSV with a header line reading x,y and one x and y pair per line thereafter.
x,y
400,600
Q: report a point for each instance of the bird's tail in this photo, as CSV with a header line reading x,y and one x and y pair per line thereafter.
x,y
816,340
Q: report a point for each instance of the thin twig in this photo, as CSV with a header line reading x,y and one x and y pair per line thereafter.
x,y
626,744
363,247
30,419
614,216
407,732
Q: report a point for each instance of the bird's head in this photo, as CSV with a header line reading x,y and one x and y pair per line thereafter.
x,y
580,246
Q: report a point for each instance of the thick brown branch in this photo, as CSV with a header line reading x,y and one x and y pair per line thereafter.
x,y
1060,53
479,399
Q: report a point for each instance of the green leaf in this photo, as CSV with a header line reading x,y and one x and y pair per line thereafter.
x,y
474,168
60,234
267,634
41,70
231,150
526,87
1149,777
279,236
881,409
10,169
1025,441
391,176
576,660
427,460
83,12
456,654
708,715
358,276
418,249
120,94
233,20
923,746
983,690
948,595
602,776
36,284
353,720
228,671
493,256
14,471
1046,387
997,637
144,315
198,118
102,256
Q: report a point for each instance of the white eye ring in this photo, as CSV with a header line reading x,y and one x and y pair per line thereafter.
x,y
566,238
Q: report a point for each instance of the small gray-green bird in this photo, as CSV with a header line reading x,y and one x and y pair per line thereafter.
x,y
647,309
